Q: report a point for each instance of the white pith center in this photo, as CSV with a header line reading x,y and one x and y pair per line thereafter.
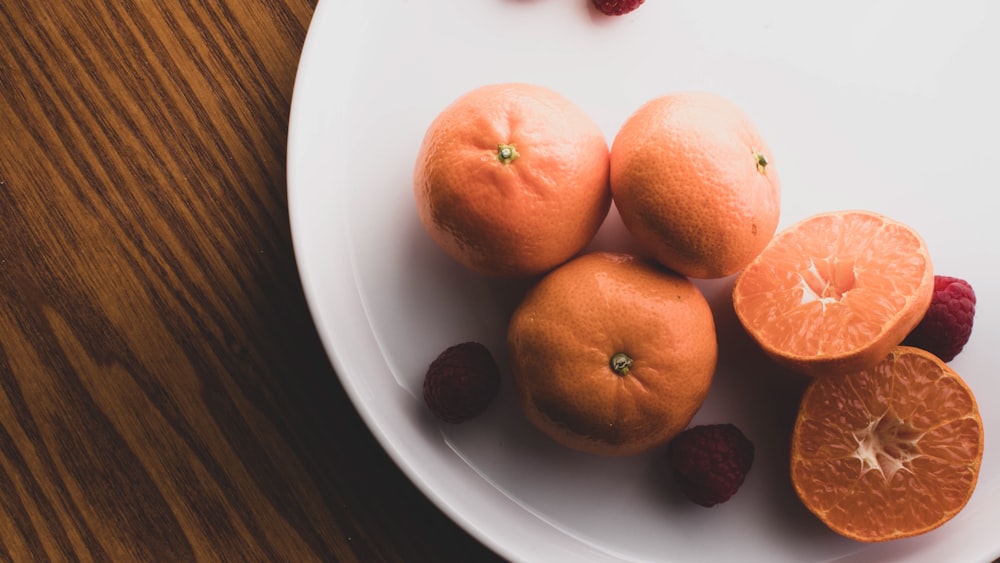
x,y
817,286
887,445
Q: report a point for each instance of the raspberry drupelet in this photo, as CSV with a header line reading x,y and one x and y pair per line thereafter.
x,y
461,382
617,7
710,462
947,324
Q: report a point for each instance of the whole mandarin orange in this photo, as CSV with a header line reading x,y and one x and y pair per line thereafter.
x,y
612,354
512,179
695,183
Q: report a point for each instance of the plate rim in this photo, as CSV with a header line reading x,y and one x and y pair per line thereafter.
x,y
299,120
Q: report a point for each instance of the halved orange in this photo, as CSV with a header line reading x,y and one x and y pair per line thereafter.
x,y
888,452
835,292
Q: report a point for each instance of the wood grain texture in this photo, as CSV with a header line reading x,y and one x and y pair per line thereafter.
x,y
163,393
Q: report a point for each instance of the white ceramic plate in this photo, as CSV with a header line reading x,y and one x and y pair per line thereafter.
x,y
884,105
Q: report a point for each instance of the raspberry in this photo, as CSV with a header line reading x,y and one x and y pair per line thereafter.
x,y
710,462
947,324
617,7
461,382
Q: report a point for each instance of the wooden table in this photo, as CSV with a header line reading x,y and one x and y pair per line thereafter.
x,y
163,393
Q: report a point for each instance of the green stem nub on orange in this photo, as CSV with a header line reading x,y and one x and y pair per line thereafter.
x,y
507,153
761,162
621,364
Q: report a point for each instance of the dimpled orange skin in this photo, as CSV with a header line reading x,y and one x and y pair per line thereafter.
x,y
565,333
695,183
523,216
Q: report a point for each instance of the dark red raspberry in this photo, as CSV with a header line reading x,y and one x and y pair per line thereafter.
x,y
947,325
461,382
710,462
616,7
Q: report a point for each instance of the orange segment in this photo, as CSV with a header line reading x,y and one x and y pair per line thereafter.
x,y
889,452
836,291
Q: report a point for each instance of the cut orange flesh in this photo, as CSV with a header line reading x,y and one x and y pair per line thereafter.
x,y
889,452
835,292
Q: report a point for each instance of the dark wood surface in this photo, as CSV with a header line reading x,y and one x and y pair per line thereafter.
x,y
163,393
